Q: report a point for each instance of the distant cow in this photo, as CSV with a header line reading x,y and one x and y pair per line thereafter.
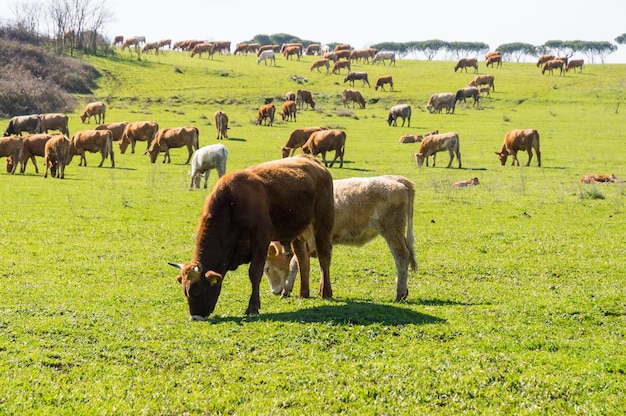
x,y
320,63
57,155
96,109
381,81
247,209
399,111
383,55
599,178
354,76
289,111
442,100
470,182
323,141
550,66
353,96
495,59
575,63
516,140
116,129
118,40
92,141
364,209
297,139
410,138
266,114
221,124
479,80
55,121
138,131
463,63
214,156
467,92
265,55
200,48
171,138
30,124
304,97
431,145
339,65
544,58
11,148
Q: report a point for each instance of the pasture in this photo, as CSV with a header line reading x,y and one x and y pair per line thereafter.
x,y
517,306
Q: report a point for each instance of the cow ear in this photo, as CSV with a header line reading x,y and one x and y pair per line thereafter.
x,y
213,278
272,250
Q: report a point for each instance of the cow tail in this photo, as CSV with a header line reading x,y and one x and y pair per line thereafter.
x,y
197,138
410,238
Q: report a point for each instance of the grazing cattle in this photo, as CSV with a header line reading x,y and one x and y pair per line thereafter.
x,y
438,143
55,121
331,56
575,63
400,110
543,59
354,76
12,147
206,158
241,48
344,54
339,65
264,48
200,48
304,97
552,65
221,124
151,46
320,63
521,139
381,81
441,100
410,138
116,129
297,139
323,141
353,96
265,55
495,59
364,208
467,92
470,182
118,40
492,54
383,55
360,55
342,47
290,96
292,50
171,138
163,43
96,109
266,115
479,80
130,42
289,111
463,63
312,49
599,178
92,141
18,124
485,90
247,209
138,131
57,155
33,145
221,47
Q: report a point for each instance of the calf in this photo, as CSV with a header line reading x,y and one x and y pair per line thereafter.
x,y
353,96
97,110
57,155
138,131
381,81
175,137
289,110
92,141
221,124
265,55
364,208
470,182
441,100
339,65
206,158
297,139
520,139
304,97
11,148
266,114
438,143
479,80
599,178
323,141
410,138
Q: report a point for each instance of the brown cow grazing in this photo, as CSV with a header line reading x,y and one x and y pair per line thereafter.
x,y
360,55
97,110
247,209
495,59
138,131
204,47
438,143
11,148
492,54
130,42
364,208
331,56
292,50
118,40
57,155
381,81
485,90
325,141
171,138
266,114
304,97
599,178
522,139
34,145
470,182
221,124
116,129
353,96
290,96
55,121
552,65
289,111
312,49
575,63
342,47
297,139
151,46
463,63
320,63
543,59
18,124
354,76
339,65
479,80
92,141
163,43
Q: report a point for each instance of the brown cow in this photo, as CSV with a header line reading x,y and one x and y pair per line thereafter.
x,y
438,143
410,138
221,124
575,63
543,59
292,50
342,47
18,124
381,81
325,141
247,209
266,114
360,55
521,139
297,139
354,76
479,80
312,49
495,59
304,97
353,96
97,110
171,138
599,178
151,46
11,148
200,48
339,65
116,129
289,111
130,42
364,208
163,43
92,141
470,182
320,63
463,63
57,155
118,40
55,121
138,131
552,65
34,145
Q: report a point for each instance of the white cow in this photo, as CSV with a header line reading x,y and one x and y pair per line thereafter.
x,y
382,55
265,55
206,158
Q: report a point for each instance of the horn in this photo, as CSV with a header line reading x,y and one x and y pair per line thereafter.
x,y
177,265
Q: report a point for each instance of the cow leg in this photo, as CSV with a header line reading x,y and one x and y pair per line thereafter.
x,y
303,256
255,273
206,179
451,153
530,156
324,252
538,156
104,156
112,157
190,150
514,156
458,157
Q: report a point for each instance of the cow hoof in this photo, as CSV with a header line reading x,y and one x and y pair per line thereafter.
x,y
252,311
403,297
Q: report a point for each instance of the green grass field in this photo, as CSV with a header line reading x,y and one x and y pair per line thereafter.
x,y
518,305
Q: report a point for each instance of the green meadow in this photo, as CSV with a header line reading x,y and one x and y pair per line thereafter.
x,y
517,307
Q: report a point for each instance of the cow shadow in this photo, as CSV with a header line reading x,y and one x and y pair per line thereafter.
x,y
236,139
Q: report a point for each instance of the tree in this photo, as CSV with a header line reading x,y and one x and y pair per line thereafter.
x,y
600,49
27,15
399,48
621,39
430,48
466,49
516,51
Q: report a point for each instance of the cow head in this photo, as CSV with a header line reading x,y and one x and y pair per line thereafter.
x,y
201,288
10,164
502,156
285,151
419,159
390,119
277,267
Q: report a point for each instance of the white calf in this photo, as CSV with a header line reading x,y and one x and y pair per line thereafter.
x,y
205,159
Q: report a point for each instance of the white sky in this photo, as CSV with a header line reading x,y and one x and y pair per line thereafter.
x,y
364,23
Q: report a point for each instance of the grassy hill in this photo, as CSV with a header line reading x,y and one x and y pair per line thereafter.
x,y
517,306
